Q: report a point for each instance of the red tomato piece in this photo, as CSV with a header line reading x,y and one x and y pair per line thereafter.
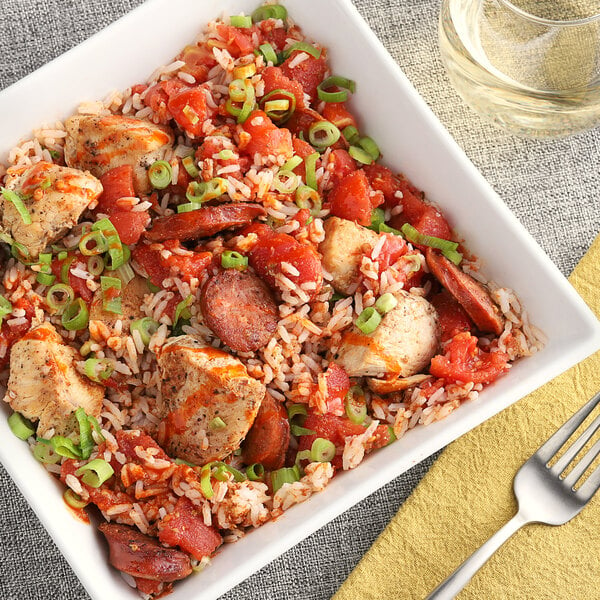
x,y
309,73
339,115
266,138
77,283
381,437
452,316
338,386
130,225
343,164
130,440
393,248
239,41
185,527
275,79
198,59
382,179
116,183
275,36
188,108
463,361
301,149
273,248
350,198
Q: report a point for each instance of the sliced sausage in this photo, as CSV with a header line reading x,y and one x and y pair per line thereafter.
x,y
239,308
268,440
203,222
140,555
470,294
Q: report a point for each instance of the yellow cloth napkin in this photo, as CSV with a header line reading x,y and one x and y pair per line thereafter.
x,y
467,496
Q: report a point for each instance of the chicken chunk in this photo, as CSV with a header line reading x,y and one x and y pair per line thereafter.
x,y
199,385
54,196
132,298
44,384
403,344
343,248
101,143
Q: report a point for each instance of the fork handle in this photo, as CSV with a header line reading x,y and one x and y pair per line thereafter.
x,y
451,586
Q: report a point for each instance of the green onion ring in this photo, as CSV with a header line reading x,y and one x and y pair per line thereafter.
x,y
448,248
98,370
279,115
117,252
21,253
368,320
360,155
61,289
100,243
189,165
112,304
347,85
18,203
205,483
268,53
351,134
237,90
230,259
370,147
377,218
297,409
272,11
292,164
322,134
310,163
182,310
5,308
146,327
284,475
96,472
306,197
386,303
240,21
286,182
160,174
86,441
20,426
44,453
255,472
299,431
322,450
74,500
75,316
355,405
302,47
65,447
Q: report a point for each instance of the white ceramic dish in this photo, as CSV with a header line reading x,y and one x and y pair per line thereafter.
x,y
413,141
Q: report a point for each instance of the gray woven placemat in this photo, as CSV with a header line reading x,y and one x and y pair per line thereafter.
x,y
551,186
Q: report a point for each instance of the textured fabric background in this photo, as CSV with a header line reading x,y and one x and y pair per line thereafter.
x,y
551,186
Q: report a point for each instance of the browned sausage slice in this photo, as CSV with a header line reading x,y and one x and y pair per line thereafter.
x,y
203,222
470,294
139,555
268,440
240,309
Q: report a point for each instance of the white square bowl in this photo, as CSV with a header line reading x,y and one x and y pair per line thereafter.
x,y
413,142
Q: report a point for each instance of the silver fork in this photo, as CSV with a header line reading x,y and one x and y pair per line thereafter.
x,y
542,494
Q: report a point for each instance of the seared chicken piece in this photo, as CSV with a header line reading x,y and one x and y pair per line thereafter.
x,y
343,248
54,196
210,400
403,344
132,297
100,144
44,384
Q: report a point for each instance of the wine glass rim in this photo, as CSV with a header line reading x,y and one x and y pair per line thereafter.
x,y
555,23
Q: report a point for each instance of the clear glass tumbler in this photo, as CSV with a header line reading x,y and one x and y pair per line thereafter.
x,y
532,66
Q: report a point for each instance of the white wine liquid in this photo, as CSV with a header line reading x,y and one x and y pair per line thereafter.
x,y
532,77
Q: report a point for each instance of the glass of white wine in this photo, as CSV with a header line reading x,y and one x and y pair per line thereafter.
x,y
531,66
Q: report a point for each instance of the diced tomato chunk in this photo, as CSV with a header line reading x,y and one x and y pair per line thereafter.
x,y
393,248
239,41
116,183
338,386
464,361
351,198
198,59
130,440
381,437
339,115
188,108
309,73
272,249
274,79
452,316
301,149
276,36
382,179
266,137
343,164
185,527
130,225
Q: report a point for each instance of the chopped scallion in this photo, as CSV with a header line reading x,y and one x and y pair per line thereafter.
x,y
386,303
297,409
377,218
217,424
74,500
284,475
20,426
98,370
75,316
302,47
230,259
368,320
160,174
286,182
5,308
351,134
59,296
347,85
146,327
448,248
182,310
86,441
360,155
370,147
241,21
322,450
310,164
44,453
270,11
279,105
116,251
255,472
355,404
268,53
189,165
18,203
111,294
306,197
322,134
65,447
291,164
298,431
205,482
96,472
244,71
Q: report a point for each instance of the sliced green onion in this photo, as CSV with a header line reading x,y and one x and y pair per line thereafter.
x,y
111,303
302,455
226,154
322,134
322,450
189,165
447,247
274,104
65,447
153,288
255,472
377,218
368,320
286,182
355,405
221,466
203,191
62,255
5,308
360,155
297,409
280,105
237,91
195,192
310,163
146,327
44,453
351,134
268,53
393,437
74,500
98,241
230,259
161,174
98,370
302,47
217,424
248,105
86,441
116,250
386,303
306,197
45,184
298,431
96,472
182,310
220,472
205,483
347,85
284,475
21,253
75,316
96,427
180,461
125,273
241,21
45,258
65,268
370,147
383,228
188,207
20,426
271,11
45,277
18,203
59,295
244,71
291,164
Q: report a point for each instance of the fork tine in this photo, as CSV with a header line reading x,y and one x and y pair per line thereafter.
x,y
579,469
576,447
555,443
591,485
